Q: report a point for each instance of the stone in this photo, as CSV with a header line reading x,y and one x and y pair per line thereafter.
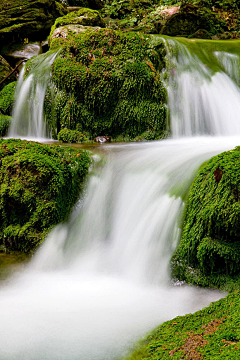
x,y
31,19
17,52
5,69
103,139
184,24
63,31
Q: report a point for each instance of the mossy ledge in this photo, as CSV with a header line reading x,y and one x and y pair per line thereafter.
x,y
108,83
39,186
211,333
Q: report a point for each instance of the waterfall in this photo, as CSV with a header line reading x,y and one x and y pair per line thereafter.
x,y
101,280
28,113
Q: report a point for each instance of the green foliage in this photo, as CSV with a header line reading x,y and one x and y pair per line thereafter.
x,y
7,97
108,83
4,124
71,136
210,243
211,333
39,185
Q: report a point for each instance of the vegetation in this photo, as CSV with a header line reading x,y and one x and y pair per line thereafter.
x,y
212,333
71,136
108,83
7,97
209,252
39,185
4,124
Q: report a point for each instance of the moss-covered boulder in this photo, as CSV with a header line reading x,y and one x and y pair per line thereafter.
x,y
38,186
109,83
210,243
27,19
83,16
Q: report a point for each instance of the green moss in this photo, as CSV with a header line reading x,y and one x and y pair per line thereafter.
x,y
211,333
7,97
71,136
39,185
83,16
108,83
4,124
210,243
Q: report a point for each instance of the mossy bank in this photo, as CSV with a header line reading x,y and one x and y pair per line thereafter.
x,y
39,184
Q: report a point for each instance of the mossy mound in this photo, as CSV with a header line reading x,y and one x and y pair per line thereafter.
x,y
21,19
71,136
108,83
84,17
210,243
211,333
39,185
7,97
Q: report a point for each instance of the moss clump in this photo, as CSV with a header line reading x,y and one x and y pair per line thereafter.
x,y
85,17
211,333
210,243
71,136
7,97
108,82
4,124
39,185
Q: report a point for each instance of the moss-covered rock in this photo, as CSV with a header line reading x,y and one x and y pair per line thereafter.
x,y
211,333
31,19
210,243
38,186
91,4
71,136
83,16
7,97
5,121
63,32
109,83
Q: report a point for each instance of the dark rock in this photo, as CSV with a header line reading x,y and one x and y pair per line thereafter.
x,y
184,24
103,139
31,20
200,34
5,70
17,52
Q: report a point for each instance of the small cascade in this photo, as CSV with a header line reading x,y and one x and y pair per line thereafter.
x,y
201,83
28,113
101,280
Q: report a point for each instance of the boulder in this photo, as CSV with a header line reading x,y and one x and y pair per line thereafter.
x,y
31,19
83,17
108,82
201,34
184,24
14,53
62,32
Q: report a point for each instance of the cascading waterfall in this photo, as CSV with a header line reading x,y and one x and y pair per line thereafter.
x,y
101,280
28,113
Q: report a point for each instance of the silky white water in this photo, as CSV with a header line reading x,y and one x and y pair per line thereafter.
x,y
28,112
101,280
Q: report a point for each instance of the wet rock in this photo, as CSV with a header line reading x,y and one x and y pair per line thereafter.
x,y
103,139
15,53
33,19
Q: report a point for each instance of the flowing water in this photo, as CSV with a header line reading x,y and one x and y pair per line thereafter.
x,y
101,280
28,113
